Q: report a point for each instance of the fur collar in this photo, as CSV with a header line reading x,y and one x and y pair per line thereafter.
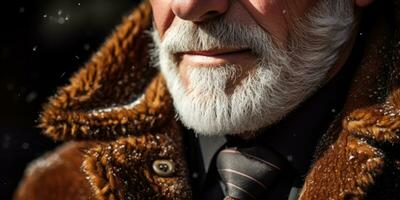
x,y
356,149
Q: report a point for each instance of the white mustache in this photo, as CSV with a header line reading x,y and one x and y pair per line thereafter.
x,y
216,34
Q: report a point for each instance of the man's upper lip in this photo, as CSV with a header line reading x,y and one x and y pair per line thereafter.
x,y
214,52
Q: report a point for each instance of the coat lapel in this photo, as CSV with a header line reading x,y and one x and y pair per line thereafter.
x,y
354,156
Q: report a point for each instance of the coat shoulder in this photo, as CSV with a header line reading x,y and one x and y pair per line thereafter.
x,y
56,175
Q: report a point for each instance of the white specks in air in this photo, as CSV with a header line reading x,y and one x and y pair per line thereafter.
x,y
21,10
59,18
195,175
31,97
25,145
86,47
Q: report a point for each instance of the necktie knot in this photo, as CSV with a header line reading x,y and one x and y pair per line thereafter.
x,y
248,173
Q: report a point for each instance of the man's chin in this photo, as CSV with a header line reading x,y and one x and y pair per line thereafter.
x,y
222,127
229,131
210,107
246,135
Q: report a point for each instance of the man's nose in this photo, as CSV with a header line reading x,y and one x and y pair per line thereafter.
x,y
199,10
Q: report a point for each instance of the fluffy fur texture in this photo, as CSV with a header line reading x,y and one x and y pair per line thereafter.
x,y
358,158
280,81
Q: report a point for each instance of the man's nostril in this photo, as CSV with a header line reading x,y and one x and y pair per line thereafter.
x,y
198,10
212,14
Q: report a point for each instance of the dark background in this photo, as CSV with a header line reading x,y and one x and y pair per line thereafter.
x,y
42,43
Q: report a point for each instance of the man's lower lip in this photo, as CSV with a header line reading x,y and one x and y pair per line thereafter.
x,y
212,60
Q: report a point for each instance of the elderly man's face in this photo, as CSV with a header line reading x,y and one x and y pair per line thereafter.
x,y
237,66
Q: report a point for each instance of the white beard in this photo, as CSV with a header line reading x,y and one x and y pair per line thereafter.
x,y
282,79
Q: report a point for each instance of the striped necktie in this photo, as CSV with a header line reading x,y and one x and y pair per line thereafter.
x,y
248,173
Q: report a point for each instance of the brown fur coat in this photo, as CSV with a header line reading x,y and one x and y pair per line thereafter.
x,y
115,133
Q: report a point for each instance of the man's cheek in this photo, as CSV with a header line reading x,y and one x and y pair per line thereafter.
x,y
270,16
